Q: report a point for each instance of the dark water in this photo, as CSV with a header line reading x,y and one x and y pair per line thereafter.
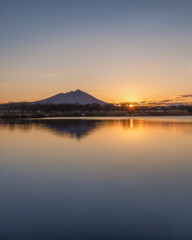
x,y
76,179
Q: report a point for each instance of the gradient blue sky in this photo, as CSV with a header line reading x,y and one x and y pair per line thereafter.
x,y
116,50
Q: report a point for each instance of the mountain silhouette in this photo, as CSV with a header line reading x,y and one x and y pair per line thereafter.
x,y
73,97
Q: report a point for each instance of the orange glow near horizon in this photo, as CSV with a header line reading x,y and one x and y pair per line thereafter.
x,y
35,92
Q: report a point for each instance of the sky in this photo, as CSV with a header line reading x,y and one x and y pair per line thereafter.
x,y
116,50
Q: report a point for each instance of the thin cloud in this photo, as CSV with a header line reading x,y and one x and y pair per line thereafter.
x,y
184,96
178,100
165,101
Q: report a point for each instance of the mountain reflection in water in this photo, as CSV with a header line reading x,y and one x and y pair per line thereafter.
x,y
79,128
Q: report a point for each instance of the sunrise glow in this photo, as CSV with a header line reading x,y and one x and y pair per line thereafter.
x,y
113,50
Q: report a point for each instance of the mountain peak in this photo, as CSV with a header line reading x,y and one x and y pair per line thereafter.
x,y
78,91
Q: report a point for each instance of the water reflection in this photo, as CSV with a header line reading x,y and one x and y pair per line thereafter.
x,y
67,128
79,128
125,179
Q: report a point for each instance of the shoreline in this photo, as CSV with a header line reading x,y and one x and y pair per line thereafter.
x,y
89,114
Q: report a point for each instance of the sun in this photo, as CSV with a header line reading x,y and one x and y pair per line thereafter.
x,y
131,105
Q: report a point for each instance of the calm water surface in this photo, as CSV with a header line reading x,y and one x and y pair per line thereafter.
x,y
112,178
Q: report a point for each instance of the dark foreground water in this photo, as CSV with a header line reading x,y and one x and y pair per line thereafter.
x,y
88,179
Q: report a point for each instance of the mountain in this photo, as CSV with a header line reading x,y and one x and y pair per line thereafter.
x,y
73,97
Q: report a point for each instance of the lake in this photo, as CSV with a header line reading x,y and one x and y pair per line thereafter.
x,y
96,178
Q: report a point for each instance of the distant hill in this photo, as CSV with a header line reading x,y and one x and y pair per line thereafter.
x,y
73,97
